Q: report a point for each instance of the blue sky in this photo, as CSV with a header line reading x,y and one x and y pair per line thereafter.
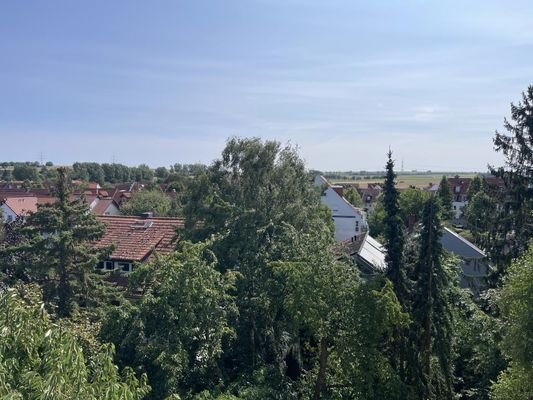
x,y
169,81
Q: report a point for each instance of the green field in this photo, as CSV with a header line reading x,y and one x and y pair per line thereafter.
x,y
403,181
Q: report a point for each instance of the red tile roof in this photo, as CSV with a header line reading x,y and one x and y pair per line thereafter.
x,y
101,206
136,239
21,205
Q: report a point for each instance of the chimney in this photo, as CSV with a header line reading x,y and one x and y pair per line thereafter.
x,y
147,214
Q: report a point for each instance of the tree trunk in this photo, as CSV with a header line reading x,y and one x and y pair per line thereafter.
x,y
321,378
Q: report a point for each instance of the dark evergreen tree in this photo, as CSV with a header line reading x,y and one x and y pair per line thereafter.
x,y
393,232
510,236
57,238
432,312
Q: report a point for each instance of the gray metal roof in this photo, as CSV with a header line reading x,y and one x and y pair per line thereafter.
x,y
458,245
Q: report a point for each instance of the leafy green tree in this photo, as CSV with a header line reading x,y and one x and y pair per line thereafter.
x,y
39,360
22,172
348,361
411,203
177,331
516,304
445,196
245,198
376,217
161,172
143,173
148,201
353,196
57,246
432,309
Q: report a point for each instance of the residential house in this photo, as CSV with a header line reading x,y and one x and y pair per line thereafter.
x,y
474,263
136,239
367,253
370,195
459,188
349,221
17,206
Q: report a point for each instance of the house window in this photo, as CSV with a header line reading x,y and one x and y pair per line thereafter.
x,y
357,226
125,266
107,265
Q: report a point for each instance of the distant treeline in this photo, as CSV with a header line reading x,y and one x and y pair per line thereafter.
x,y
95,172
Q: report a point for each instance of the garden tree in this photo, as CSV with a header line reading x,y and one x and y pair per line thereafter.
x,y
88,172
477,357
479,213
353,196
516,305
476,185
339,333
176,333
148,201
57,239
445,196
411,203
39,360
161,173
432,308
6,175
509,237
376,217
245,198
393,232
22,172
143,173
12,265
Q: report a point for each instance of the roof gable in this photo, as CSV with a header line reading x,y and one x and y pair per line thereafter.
x,y
136,239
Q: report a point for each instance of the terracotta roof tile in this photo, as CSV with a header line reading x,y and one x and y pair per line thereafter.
x,y
136,238
21,205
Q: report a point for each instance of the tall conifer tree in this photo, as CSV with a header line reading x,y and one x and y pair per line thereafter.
x,y
431,308
58,240
394,237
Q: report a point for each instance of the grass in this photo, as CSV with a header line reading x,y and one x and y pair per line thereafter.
x,y
403,181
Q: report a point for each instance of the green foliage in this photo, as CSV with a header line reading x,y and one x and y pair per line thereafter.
x,y
445,196
38,360
512,229
393,232
55,248
376,225
22,172
432,308
245,198
353,196
148,201
177,331
353,318
411,203
516,305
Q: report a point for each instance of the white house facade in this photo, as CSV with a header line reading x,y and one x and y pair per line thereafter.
x,y
349,220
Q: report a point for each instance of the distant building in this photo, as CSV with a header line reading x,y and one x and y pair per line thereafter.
x,y
459,188
349,221
370,195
